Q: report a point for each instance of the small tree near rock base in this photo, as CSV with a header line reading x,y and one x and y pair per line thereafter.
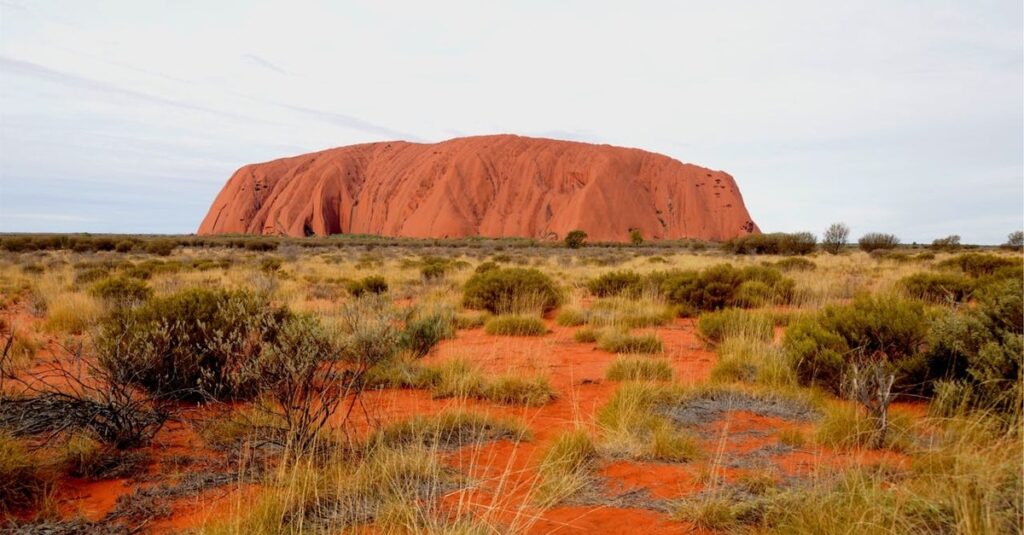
x,y
636,237
575,239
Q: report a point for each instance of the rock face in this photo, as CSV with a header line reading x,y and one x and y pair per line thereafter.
x,y
494,186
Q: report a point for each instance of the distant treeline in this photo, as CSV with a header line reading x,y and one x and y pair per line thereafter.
x,y
776,243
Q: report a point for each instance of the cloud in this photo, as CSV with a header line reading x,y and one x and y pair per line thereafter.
x,y
10,66
349,121
256,60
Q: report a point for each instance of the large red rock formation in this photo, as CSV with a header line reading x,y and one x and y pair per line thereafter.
x,y
491,186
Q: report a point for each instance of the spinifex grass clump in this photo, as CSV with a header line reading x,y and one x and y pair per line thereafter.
x,y
566,467
621,341
639,369
719,325
24,479
515,325
452,428
629,313
631,425
511,290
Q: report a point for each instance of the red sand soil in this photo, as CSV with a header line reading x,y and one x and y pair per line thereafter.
x,y
494,186
506,471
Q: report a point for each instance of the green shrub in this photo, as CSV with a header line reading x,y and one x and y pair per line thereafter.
x,y
198,343
426,329
719,325
616,283
121,290
777,243
260,245
822,346
160,247
619,341
505,290
270,264
753,294
876,241
91,275
795,263
374,284
980,264
515,326
938,287
486,266
432,272
977,352
639,369
575,239
717,287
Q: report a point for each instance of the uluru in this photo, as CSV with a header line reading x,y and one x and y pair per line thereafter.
x,y
490,186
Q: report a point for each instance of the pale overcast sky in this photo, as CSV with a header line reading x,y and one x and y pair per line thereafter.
x,y
895,116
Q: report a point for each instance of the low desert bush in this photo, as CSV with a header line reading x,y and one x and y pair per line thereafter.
x,y
515,325
776,243
374,284
976,353
199,343
426,328
938,287
718,325
822,346
795,263
511,290
639,369
615,283
621,341
982,264
876,241
717,287
121,290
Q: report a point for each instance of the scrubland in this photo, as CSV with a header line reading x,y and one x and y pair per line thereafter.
x,y
251,386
